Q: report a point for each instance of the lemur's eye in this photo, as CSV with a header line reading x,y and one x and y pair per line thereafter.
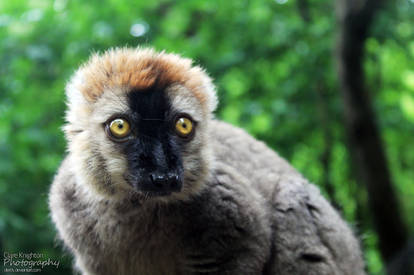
x,y
118,128
183,126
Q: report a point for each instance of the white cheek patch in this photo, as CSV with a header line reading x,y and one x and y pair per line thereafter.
x,y
183,101
115,161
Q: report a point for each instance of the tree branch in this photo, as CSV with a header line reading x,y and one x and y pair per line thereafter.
x,y
355,18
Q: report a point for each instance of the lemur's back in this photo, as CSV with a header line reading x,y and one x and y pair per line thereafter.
x,y
250,157
309,237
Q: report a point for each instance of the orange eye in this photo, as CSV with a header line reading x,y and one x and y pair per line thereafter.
x,y
183,126
119,128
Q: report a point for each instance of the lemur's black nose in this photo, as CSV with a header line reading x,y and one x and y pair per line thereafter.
x,y
165,182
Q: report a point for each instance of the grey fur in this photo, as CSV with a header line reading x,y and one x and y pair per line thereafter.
x,y
242,208
257,215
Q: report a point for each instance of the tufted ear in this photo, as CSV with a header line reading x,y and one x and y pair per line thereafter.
x,y
210,89
73,94
78,107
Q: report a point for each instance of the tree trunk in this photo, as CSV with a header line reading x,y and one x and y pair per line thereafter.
x,y
355,18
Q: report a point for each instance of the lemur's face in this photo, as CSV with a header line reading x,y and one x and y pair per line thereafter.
x,y
144,130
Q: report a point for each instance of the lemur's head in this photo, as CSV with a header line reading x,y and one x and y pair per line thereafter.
x,y
137,124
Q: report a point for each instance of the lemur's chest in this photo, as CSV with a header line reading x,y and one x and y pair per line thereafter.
x,y
173,239
140,243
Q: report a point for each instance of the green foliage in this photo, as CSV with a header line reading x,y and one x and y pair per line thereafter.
x,y
275,74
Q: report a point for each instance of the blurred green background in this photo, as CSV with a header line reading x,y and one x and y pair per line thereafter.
x,y
272,61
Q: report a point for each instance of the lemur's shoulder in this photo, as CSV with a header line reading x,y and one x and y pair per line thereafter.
x,y
309,235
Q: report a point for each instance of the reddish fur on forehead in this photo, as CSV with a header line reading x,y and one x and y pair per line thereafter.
x,y
139,69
